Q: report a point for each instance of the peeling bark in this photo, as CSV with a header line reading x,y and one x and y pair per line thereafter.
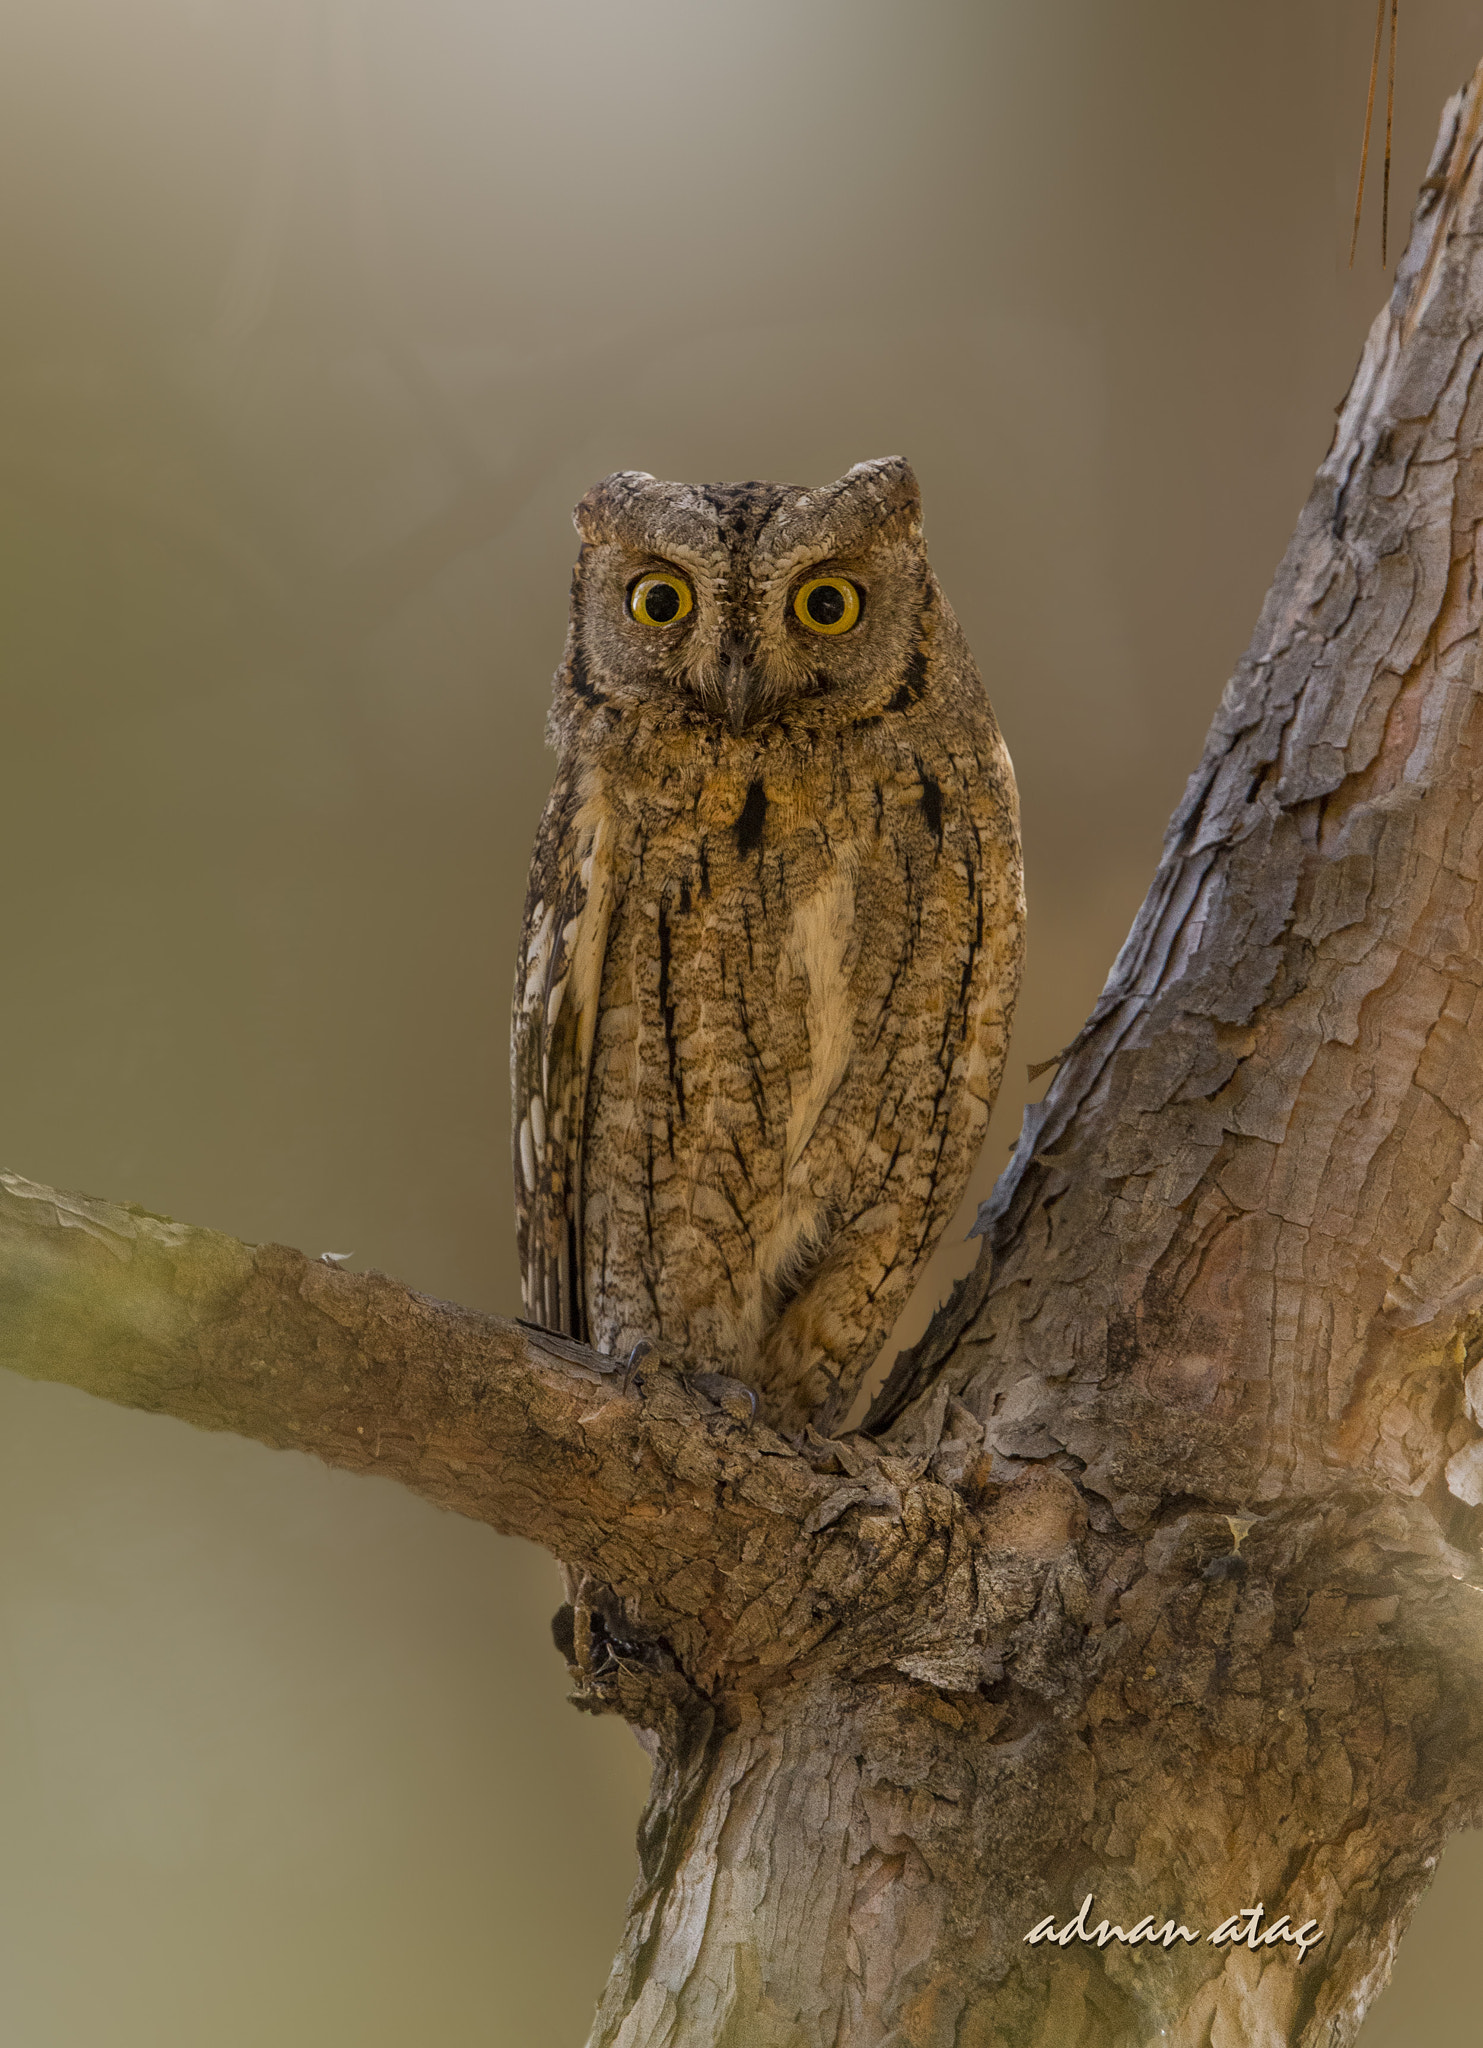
x,y
1155,1576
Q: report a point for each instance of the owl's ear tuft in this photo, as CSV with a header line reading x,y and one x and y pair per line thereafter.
x,y
883,488
852,512
598,514
877,492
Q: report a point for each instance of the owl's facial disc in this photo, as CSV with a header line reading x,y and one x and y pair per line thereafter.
x,y
750,604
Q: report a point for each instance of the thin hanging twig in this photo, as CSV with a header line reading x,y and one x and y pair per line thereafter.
x,y
1364,154
1389,112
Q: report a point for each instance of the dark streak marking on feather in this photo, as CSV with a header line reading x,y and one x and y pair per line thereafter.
x,y
576,1321
667,1008
912,684
577,675
931,801
753,813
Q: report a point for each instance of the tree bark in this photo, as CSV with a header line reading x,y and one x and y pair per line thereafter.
x,y
1154,1579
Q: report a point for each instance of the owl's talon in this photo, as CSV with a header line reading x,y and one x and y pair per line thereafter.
x,y
636,1357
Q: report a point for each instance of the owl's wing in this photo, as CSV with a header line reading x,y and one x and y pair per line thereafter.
x,y
558,984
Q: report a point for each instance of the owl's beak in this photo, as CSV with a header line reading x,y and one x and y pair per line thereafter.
x,y
741,686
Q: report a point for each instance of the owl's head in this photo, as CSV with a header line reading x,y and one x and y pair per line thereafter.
x,y
748,604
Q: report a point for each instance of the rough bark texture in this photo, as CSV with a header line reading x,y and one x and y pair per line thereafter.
x,y
1157,1577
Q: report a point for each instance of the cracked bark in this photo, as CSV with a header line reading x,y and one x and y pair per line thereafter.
x,y
1155,1575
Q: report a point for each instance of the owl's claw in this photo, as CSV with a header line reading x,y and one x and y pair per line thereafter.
x,y
636,1357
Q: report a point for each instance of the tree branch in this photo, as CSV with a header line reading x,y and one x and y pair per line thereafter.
x,y
1238,1252
472,1412
700,1540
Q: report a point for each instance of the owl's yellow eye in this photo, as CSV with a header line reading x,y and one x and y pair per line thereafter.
x,y
660,600
827,604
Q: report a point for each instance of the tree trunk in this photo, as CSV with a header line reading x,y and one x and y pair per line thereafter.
x,y
1154,1580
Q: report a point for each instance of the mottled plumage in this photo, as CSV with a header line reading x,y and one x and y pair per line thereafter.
x,y
773,935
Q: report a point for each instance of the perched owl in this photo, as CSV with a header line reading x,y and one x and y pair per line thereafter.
x,y
773,936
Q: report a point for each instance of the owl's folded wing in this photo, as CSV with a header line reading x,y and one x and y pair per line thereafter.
x,y
558,983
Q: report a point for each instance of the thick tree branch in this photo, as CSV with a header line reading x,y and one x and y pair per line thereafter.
x,y
1239,1251
468,1410
695,1528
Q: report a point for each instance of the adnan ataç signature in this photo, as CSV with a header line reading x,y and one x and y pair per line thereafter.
x,y
1241,1930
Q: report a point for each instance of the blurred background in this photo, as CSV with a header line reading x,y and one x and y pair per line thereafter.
x,y
318,317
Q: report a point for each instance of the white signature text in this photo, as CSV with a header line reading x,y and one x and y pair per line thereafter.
x,y
1241,1930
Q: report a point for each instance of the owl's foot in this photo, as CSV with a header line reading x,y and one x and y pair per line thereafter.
x,y
653,1357
636,1357
732,1396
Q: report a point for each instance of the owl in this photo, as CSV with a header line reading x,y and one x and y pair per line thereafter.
x,y
773,935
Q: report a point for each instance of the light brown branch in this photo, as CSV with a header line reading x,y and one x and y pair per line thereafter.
x,y
706,1535
465,1409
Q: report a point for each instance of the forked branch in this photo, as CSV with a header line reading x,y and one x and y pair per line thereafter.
x,y
1239,1251
1162,1585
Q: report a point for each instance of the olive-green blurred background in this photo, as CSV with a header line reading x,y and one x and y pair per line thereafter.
x,y
317,317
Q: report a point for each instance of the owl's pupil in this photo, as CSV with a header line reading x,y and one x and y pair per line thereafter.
x,y
661,602
825,606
